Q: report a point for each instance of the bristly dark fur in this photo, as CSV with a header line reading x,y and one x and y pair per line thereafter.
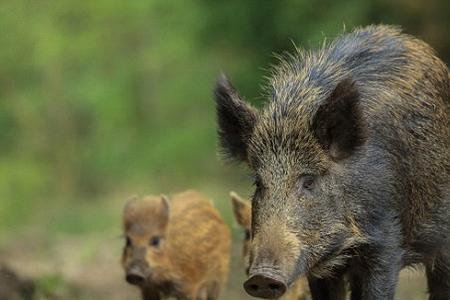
x,y
352,156
235,118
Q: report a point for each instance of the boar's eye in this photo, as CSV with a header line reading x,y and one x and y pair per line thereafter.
x,y
307,182
257,182
155,241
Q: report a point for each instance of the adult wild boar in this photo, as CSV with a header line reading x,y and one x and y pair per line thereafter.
x,y
351,159
177,247
242,212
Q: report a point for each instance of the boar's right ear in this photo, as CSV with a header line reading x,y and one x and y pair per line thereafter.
x,y
241,209
338,123
235,119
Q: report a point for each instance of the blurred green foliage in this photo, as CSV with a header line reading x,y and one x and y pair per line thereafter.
x,y
54,286
104,97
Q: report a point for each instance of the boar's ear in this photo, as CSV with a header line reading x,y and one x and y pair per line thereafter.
x,y
166,207
241,209
235,119
338,123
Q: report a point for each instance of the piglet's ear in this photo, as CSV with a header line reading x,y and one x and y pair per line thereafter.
x,y
235,120
165,207
241,209
129,210
131,202
338,122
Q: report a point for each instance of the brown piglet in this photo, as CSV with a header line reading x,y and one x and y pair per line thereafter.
x,y
176,247
242,210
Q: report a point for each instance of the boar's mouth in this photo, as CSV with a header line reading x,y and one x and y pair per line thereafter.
x,y
330,254
333,258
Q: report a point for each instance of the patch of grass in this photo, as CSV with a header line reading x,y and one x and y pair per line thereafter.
x,y
54,285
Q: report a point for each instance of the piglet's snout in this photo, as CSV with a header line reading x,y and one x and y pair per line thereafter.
x,y
135,275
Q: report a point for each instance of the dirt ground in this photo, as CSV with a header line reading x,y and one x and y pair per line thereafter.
x,y
88,267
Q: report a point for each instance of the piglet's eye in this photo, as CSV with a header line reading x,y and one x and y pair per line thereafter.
x,y
307,182
155,241
247,234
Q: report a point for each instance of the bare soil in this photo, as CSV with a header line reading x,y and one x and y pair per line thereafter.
x,y
88,267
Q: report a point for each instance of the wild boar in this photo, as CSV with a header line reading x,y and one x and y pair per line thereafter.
x,y
177,247
351,160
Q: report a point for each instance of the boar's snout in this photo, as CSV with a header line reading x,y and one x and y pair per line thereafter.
x,y
135,275
265,284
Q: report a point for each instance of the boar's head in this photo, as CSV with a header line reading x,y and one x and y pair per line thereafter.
x,y
295,147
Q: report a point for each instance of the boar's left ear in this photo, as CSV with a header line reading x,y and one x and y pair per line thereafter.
x,y
235,119
338,123
166,206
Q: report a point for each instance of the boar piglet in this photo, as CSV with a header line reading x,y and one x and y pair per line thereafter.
x,y
242,212
175,247
351,165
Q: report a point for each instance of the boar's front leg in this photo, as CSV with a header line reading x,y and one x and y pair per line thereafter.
x,y
438,276
377,275
327,288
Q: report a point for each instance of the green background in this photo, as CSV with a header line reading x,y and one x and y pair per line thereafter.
x,y
100,100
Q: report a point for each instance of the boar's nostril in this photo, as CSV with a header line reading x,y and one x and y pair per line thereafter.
x,y
274,286
265,286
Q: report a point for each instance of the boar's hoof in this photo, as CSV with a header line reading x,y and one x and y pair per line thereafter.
x,y
265,286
